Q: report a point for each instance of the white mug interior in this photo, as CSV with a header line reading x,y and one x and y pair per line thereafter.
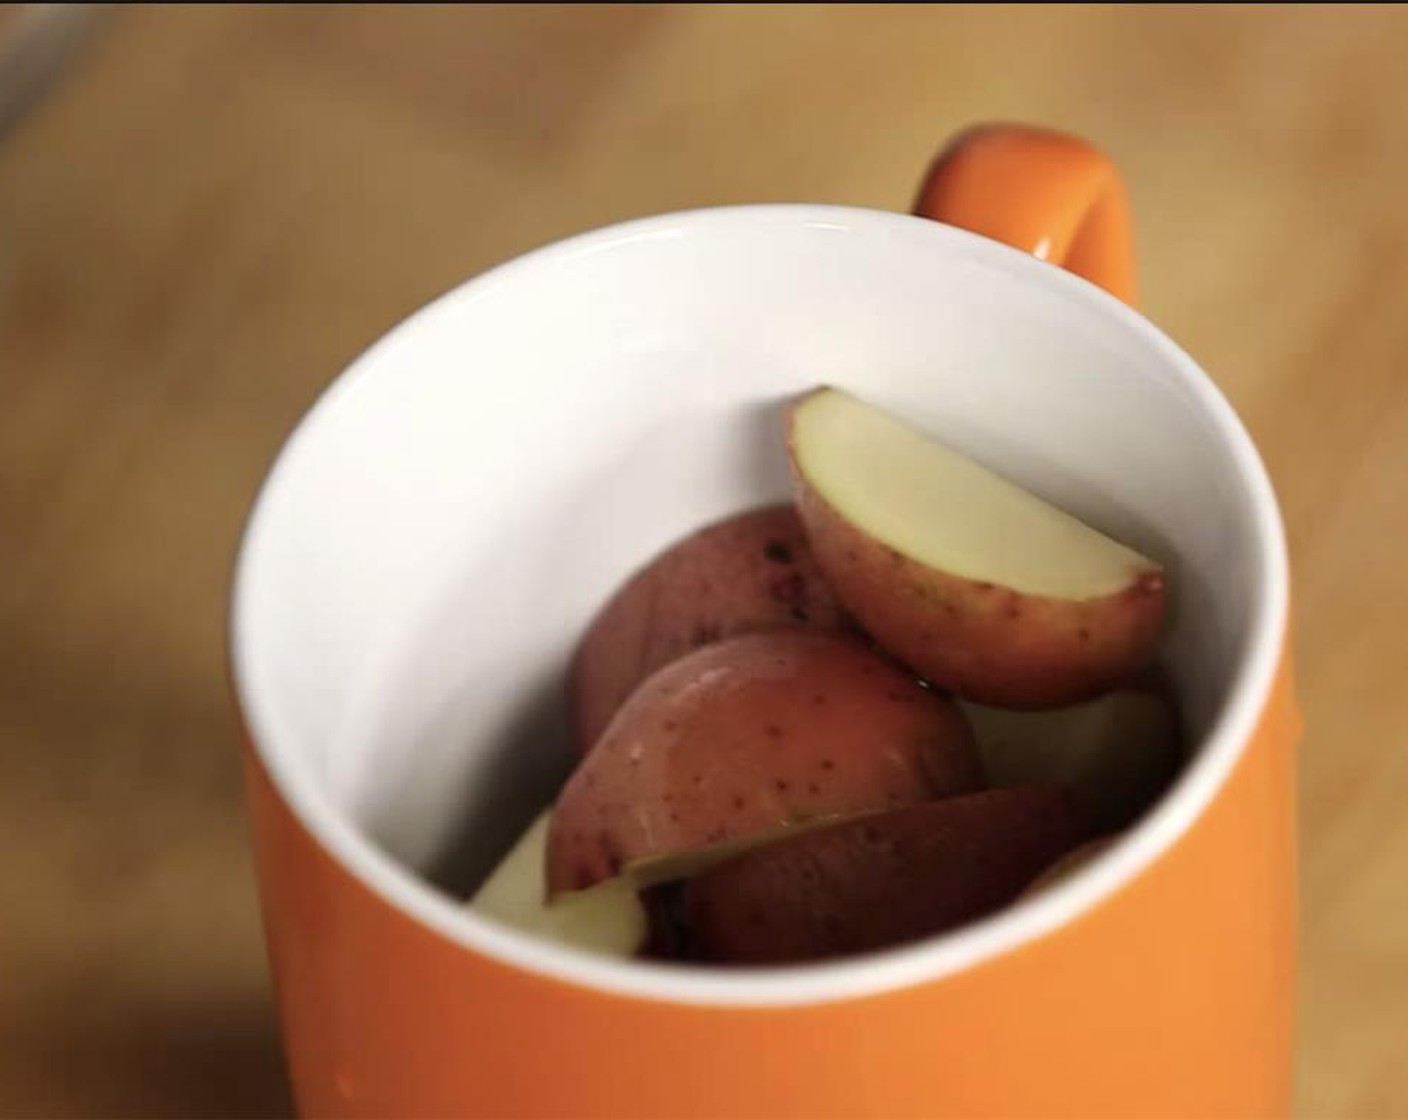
x,y
437,532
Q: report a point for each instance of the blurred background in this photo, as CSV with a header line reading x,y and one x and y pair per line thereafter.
x,y
206,212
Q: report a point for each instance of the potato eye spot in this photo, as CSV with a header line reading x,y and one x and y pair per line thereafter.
x,y
778,552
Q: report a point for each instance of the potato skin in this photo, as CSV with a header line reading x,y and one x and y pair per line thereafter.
x,y
880,881
981,641
751,734
750,572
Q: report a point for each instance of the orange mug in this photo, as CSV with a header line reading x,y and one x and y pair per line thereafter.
x,y
441,526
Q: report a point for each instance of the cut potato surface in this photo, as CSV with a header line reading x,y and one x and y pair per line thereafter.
x,y
1115,754
650,871
607,918
947,511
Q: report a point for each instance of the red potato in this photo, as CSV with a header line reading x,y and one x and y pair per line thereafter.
x,y
971,581
879,881
745,738
748,573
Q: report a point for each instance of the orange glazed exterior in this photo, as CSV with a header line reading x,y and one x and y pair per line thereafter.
x,y
1130,1003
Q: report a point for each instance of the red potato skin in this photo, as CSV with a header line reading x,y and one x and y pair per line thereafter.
x,y
751,734
748,573
981,641
877,882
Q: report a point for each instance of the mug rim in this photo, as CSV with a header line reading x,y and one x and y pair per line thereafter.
x,y
871,974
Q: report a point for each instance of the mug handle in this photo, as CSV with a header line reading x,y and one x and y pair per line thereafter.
x,y
1042,191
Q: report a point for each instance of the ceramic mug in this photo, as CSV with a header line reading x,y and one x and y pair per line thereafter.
x,y
439,529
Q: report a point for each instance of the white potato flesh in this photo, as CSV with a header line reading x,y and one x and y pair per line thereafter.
x,y
1115,754
607,918
948,512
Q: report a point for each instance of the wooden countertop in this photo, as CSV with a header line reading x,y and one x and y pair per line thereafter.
x,y
219,208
